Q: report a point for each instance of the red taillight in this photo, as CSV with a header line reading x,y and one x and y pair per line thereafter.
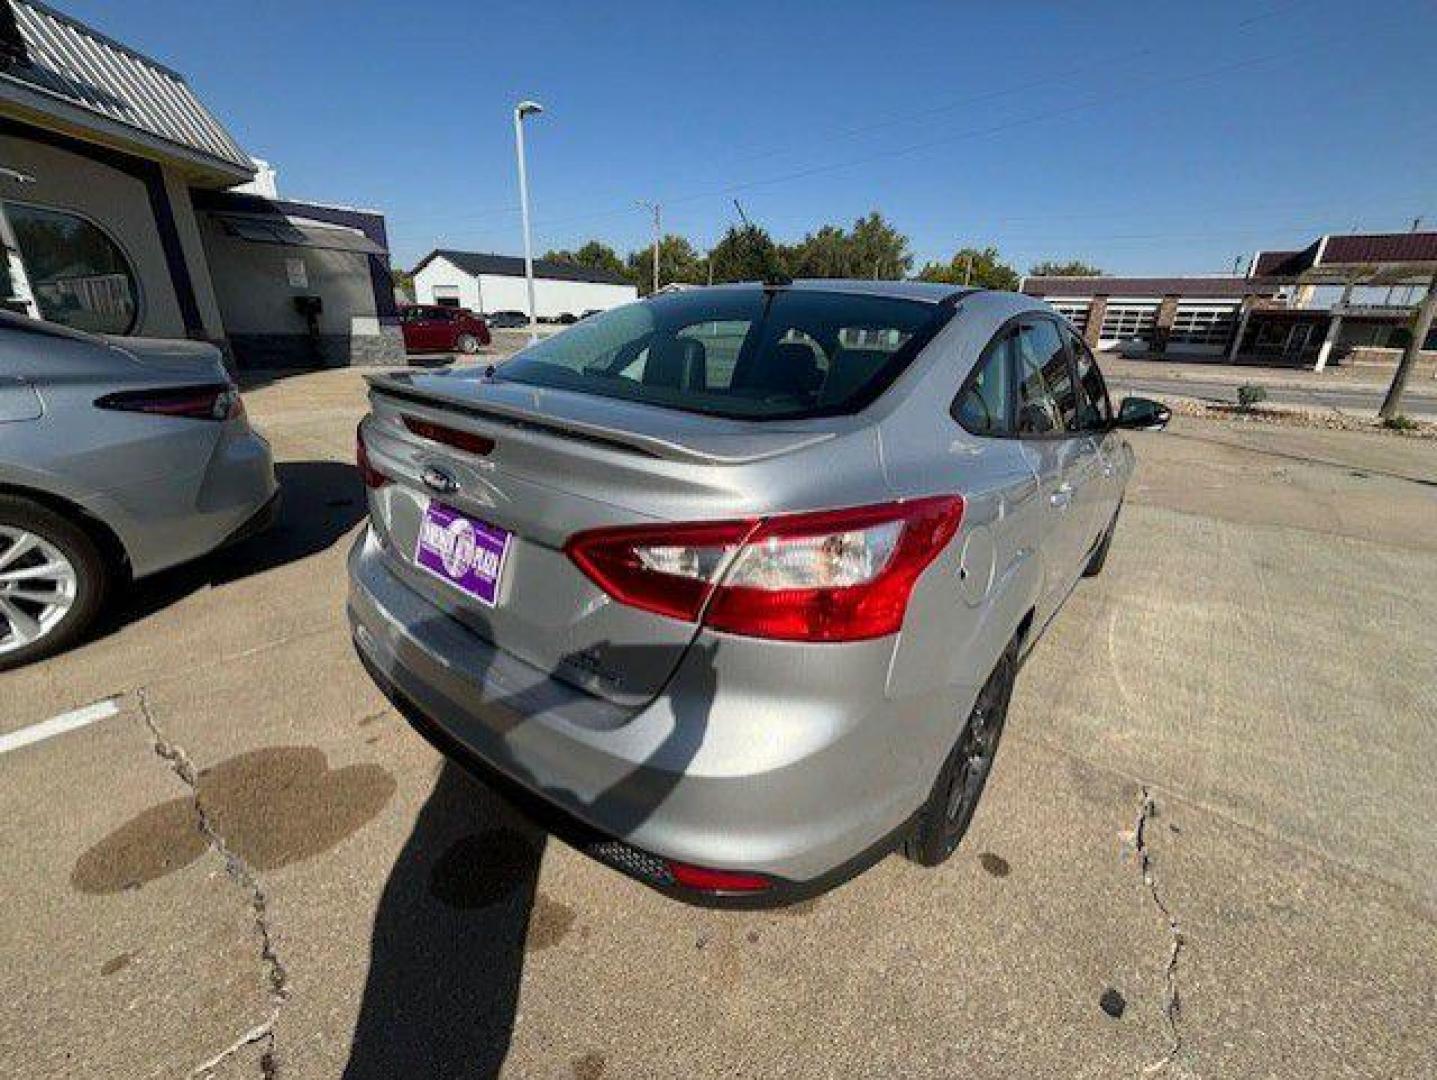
x,y
467,441
835,575
212,401
717,881
371,476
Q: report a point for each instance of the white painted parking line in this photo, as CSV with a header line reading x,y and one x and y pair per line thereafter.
x,y
58,725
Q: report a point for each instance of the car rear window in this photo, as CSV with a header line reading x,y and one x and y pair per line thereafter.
x,y
749,354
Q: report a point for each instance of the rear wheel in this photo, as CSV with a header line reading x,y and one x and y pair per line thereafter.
x,y
945,817
467,344
53,581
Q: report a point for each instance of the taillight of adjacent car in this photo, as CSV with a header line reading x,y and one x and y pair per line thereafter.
x,y
834,575
371,476
209,401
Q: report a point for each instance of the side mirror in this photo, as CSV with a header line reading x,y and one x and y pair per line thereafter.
x,y
1143,414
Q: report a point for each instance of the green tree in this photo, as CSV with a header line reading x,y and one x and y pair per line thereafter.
x,y
872,248
403,282
1073,268
879,250
594,255
746,253
678,261
980,268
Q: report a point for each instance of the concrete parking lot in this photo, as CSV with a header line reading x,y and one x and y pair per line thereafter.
x,y
1209,848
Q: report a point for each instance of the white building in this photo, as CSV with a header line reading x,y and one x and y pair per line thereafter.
x,y
489,283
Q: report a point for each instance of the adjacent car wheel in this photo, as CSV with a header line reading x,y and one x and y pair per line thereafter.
x,y
53,581
945,817
467,344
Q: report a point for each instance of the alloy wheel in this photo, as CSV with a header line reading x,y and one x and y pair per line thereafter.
x,y
38,586
975,753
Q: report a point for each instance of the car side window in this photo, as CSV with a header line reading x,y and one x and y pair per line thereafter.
x,y
1046,398
1095,411
984,405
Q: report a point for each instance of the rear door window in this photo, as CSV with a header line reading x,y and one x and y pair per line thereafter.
x,y
1047,403
1095,411
745,353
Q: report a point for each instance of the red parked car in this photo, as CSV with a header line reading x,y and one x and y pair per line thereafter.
x,y
435,328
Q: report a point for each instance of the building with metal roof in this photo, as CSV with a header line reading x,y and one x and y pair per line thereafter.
x,y
117,214
488,283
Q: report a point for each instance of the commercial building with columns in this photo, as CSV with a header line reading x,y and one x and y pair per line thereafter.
x,y
1160,316
126,208
1343,298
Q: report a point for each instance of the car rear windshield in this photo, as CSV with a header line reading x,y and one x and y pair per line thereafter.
x,y
750,354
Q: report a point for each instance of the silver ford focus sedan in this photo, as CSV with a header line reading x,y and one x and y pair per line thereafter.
x,y
731,586
119,457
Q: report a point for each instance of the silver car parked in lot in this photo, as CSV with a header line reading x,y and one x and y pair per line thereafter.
x,y
119,457
732,585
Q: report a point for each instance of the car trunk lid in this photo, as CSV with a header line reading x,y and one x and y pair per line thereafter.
x,y
520,470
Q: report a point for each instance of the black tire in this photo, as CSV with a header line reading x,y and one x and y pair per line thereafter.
x,y
1100,554
93,577
468,344
948,811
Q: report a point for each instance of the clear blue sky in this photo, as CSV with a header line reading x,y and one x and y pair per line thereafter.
x,y
1143,137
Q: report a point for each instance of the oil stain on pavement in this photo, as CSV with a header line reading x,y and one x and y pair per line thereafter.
x,y
273,806
590,1066
549,923
994,864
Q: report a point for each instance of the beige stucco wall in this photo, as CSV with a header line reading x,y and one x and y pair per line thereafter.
x,y
115,201
252,285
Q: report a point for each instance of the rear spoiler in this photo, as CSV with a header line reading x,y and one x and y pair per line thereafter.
x,y
709,449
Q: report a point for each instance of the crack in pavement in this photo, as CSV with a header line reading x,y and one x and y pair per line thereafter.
x,y
243,876
1171,1003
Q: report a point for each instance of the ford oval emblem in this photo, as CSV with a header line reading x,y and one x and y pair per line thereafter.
x,y
436,479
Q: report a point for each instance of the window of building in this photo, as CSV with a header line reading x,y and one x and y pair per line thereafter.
x,y
1129,321
1075,311
1209,325
78,276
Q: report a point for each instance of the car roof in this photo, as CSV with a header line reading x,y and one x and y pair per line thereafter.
x,y
931,292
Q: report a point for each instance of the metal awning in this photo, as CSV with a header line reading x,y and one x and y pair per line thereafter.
x,y
291,231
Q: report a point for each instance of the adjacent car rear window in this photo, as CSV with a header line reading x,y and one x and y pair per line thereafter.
x,y
749,354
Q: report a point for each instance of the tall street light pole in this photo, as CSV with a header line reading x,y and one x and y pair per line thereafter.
x,y
523,109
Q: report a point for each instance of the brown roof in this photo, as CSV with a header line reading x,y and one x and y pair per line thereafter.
x,y
1220,288
1406,247
1353,249
1283,263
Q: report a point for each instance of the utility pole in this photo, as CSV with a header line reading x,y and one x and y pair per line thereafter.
x,y
657,210
1392,403
968,270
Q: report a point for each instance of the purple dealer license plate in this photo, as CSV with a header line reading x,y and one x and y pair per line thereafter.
x,y
468,554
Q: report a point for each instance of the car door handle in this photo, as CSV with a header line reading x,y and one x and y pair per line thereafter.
x,y
1062,496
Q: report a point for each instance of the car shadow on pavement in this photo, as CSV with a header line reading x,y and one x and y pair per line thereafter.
x,y
447,949
320,502
454,920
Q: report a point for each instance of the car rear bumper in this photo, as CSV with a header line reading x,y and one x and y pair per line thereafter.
x,y
165,521
638,787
